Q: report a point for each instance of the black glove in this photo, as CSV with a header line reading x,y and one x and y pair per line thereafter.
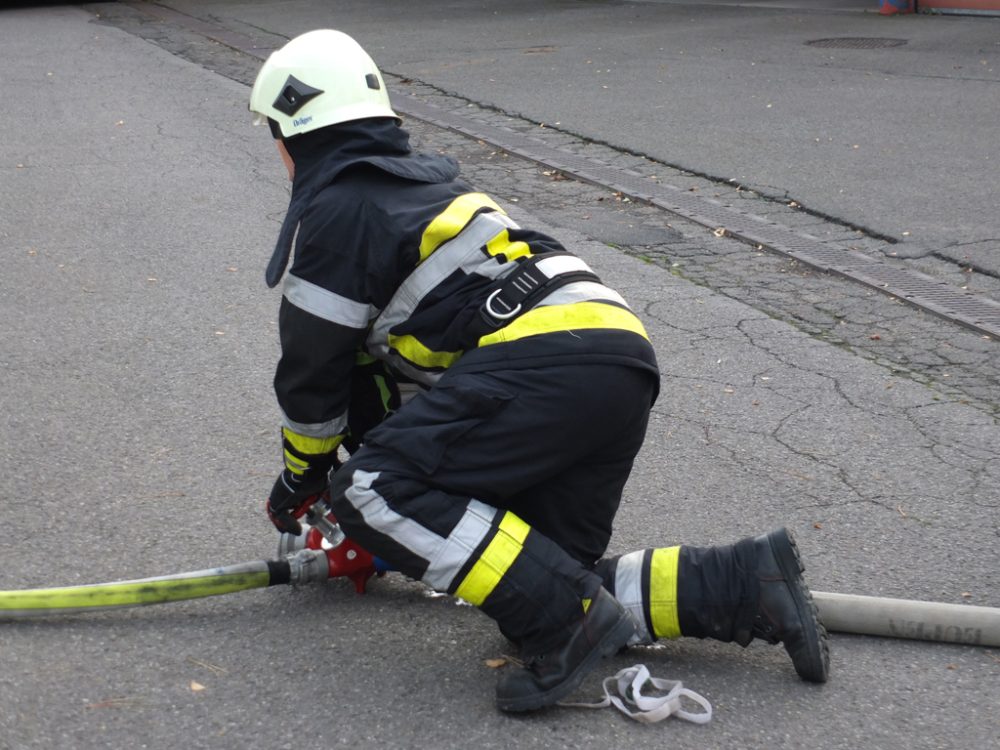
x,y
294,492
374,396
289,500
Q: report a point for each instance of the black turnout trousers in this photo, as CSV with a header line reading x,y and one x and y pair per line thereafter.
x,y
501,487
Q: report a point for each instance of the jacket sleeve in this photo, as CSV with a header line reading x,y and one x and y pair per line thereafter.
x,y
326,309
312,378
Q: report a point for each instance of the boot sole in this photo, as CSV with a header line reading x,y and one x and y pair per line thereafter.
x,y
609,644
786,552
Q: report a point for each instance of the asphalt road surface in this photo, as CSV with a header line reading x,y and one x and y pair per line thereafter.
x,y
138,207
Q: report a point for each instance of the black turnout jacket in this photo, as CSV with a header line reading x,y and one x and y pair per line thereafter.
x,y
395,256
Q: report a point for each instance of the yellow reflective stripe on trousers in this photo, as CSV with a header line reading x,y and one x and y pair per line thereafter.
x,y
663,592
576,316
496,559
453,220
413,350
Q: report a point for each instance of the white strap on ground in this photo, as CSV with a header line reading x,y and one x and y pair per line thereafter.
x,y
661,701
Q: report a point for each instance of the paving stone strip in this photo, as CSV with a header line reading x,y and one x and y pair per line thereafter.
x,y
959,363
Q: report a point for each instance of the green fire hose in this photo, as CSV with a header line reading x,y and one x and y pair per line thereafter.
x,y
840,613
324,553
304,567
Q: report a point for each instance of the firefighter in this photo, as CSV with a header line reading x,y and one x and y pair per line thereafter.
x,y
499,480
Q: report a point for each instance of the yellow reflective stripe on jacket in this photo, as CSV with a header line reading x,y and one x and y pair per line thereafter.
x,y
545,319
663,592
501,245
413,350
572,317
306,446
453,220
295,464
495,561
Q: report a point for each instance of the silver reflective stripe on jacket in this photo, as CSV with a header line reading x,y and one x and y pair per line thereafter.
x,y
560,264
466,252
577,291
317,429
582,291
326,304
463,252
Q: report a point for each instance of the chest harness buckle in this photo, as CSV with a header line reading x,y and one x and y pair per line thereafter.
x,y
523,288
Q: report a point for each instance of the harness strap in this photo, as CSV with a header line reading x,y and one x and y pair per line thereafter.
x,y
523,288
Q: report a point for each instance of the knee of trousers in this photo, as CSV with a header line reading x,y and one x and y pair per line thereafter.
x,y
352,495
487,556
363,500
364,479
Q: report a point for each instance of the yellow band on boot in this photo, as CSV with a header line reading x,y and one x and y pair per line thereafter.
x,y
663,592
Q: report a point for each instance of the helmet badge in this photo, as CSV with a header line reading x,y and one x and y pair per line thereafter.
x,y
294,95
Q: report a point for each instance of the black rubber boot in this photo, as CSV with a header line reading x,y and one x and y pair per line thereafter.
x,y
786,612
551,676
753,589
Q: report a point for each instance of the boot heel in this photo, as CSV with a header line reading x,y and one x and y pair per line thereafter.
x,y
787,554
548,678
788,612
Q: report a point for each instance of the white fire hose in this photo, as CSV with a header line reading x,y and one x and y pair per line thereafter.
x,y
905,618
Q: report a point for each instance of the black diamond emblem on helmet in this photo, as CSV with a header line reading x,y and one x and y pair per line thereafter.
x,y
294,95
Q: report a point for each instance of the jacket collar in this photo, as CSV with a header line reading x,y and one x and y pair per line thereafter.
x,y
322,155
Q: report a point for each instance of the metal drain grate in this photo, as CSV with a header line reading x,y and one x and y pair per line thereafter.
x,y
856,42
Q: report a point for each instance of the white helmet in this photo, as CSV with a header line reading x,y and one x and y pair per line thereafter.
x,y
319,78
